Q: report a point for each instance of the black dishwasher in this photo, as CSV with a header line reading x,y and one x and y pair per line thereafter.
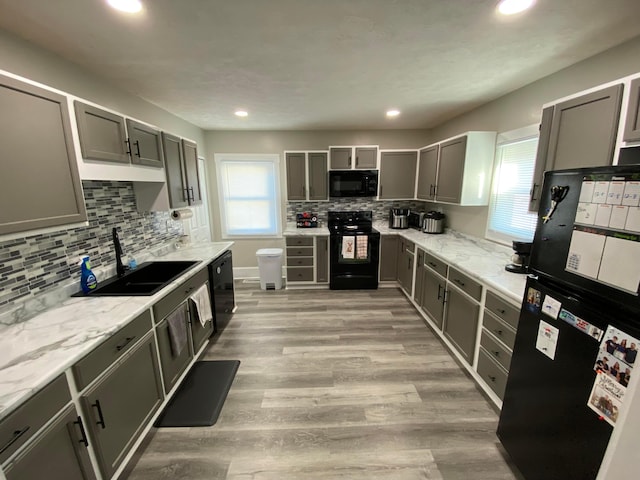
x,y
222,296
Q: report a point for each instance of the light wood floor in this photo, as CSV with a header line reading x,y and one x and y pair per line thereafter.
x,y
334,385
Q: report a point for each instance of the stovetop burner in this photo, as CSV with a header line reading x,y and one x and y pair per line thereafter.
x,y
357,221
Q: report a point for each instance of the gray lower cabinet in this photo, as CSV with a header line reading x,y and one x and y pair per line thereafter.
x,y
300,255
397,175
318,177
102,134
406,258
433,287
340,158
492,372
366,158
39,167
172,362
59,453
632,120
199,333
118,406
322,259
461,323
145,144
427,173
388,258
417,291
451,170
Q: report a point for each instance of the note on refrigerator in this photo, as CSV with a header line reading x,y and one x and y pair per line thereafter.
x,y
616,191
603,214
586,191
586,213
585,252
618,217
633,220
547,340
619,265
631,196
600,192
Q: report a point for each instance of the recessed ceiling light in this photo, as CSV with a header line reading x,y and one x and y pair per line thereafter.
x,y
393,113
242,113
511,7
128,6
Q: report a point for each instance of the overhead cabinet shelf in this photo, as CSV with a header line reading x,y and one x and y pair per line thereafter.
x,y
457,170
353,158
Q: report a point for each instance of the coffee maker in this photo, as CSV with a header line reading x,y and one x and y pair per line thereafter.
x,y
520,258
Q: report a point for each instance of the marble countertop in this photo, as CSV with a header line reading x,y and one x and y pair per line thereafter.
x,y
37,350
477,257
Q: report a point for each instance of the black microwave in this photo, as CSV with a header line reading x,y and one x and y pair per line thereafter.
x,y
353,183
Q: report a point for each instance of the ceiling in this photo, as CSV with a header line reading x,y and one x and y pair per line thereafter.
x,y
321,64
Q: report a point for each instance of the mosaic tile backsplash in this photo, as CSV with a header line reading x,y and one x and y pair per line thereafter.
x,y
380,208
33,264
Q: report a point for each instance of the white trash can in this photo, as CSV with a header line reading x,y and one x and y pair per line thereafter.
x,y
270,266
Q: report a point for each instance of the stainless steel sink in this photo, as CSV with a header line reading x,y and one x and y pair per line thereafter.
x,y
148,279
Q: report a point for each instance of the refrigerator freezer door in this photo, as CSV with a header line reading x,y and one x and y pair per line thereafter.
x,y
545,423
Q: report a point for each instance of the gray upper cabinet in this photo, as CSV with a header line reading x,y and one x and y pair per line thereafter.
x,y
296,175
340,158
366,158
102,134
59,453
145,144
173,164
427,171
541,159
584,130
397,175
190,157
39,166
119,406
632,121
318,179
452,163
298,164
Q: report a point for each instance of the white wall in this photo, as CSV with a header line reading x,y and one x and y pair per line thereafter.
x,y
244,251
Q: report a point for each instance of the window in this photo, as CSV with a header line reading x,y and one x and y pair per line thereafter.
x,y
248,191
509,218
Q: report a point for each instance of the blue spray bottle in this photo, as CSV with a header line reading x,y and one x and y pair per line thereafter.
x,y
88,280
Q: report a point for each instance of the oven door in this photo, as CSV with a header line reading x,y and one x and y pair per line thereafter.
x,y
354,259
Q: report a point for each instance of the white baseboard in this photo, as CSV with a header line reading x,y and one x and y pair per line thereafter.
x,y
248,272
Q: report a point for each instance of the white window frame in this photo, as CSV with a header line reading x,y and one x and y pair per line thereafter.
x,y
273,159
521,134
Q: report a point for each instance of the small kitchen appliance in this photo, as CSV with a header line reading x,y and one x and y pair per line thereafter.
x,y
520,258
399,218
416,219
433,222
353,183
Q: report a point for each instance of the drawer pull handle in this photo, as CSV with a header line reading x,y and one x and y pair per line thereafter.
x,y
16,435
497,354
433,264
492,378
101,421
189,290
82,432
501,311
126,342
458,282
499,332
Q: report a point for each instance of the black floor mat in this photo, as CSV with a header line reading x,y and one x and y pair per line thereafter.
x,y
199,400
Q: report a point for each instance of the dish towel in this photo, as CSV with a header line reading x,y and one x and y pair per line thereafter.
x,y
362,242
177,330
203,304
348,247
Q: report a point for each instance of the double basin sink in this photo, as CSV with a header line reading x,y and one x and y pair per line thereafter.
x,y
148,279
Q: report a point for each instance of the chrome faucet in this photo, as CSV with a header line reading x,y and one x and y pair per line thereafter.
x,y
120,268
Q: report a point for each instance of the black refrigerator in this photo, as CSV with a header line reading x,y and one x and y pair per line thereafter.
x,y
579,325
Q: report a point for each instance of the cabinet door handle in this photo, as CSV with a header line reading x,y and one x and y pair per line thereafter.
x,y
533,192
456,280
439,289
357,161
349,160
126,342
431,190
185,194
444,296
128,143
492,378
83,434
137,144
101,418
16,435
496,353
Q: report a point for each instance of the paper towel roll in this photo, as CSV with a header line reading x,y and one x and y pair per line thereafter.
x,y
181,214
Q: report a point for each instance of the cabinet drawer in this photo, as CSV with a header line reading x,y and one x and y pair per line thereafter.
x,y
496,349
111,350
21,425
298,274
299,251
434,264
502,309
499,329
409,246
465,283
178,295
300,261
492,373
299,241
